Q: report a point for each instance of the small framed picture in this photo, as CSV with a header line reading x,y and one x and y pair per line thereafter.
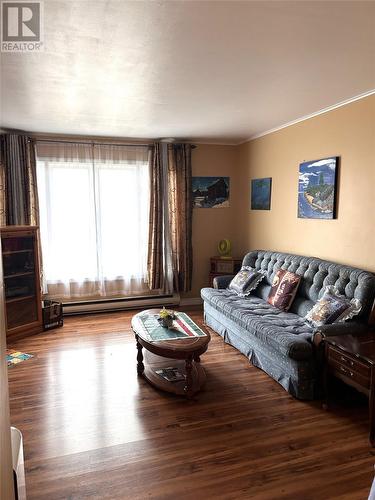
x,y
210,192
261,194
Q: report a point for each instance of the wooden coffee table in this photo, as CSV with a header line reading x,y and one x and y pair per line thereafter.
x,y
182,353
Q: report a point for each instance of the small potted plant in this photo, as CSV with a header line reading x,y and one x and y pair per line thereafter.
x,y
166,318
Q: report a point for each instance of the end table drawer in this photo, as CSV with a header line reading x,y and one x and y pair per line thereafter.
x,y
339,369
348,362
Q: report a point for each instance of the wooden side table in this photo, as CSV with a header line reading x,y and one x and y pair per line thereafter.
x,y
220,266
352,360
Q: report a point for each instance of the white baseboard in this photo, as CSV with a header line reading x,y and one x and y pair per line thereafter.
x,y
141,303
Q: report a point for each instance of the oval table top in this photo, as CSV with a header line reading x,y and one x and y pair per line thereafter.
x,y
174,348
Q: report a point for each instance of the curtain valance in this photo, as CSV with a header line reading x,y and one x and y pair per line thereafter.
x,y
90,152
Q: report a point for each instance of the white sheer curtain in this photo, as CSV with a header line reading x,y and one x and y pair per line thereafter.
x,y
94,219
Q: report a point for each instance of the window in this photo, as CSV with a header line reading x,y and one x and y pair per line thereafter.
x,y
94,218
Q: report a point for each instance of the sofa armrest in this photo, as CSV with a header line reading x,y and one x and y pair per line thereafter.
x,y
221,282
351,328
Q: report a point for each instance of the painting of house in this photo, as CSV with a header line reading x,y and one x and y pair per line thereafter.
x,y
210,192
317,189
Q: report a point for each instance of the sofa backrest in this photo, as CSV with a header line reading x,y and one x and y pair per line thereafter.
x,y
316,275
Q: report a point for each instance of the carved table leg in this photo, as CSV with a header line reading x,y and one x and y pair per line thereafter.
x,y
140,365
189,378
197,359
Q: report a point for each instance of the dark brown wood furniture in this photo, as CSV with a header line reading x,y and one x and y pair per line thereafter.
x,y
352,359
220,266
183,354
23,305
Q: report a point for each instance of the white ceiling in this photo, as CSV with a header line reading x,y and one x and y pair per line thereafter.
x,y
216,71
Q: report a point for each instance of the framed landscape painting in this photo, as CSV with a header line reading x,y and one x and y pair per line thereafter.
x,y
261,194
317,188
210,192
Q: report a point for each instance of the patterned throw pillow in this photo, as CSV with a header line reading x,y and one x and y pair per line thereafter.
x,y
246,280
283,290
332,308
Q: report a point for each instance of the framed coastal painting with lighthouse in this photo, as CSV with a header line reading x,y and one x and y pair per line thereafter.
x,y
317,186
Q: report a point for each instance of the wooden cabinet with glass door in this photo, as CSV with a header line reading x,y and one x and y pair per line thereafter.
x,y
23,305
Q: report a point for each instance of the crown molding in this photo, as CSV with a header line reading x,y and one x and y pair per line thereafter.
x,y
307,117
43,135
211,143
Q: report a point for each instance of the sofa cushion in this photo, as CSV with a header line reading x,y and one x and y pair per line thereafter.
x,y
332,307
245,281
283,289
316,275
284,331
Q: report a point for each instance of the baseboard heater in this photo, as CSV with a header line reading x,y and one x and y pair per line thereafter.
x,y
106,305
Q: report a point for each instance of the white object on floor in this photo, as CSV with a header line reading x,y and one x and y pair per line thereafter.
x,y
372,491
18,463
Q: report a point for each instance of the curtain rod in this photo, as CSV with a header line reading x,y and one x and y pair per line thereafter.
x,y
98,143
94,143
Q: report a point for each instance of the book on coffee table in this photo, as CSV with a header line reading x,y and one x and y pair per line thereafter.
x,y
172,374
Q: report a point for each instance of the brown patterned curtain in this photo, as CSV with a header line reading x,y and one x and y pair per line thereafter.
x,y
18,192
155,259
180,214
170,243
3,193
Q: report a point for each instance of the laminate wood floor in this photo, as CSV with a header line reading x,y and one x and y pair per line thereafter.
x,y
92,429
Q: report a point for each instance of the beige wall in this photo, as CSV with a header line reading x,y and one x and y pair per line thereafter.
x,y
212,224
348,132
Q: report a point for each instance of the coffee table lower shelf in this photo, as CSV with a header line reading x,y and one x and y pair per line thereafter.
x,y
152,362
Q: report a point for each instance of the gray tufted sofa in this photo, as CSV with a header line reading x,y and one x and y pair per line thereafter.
x,y
278,342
